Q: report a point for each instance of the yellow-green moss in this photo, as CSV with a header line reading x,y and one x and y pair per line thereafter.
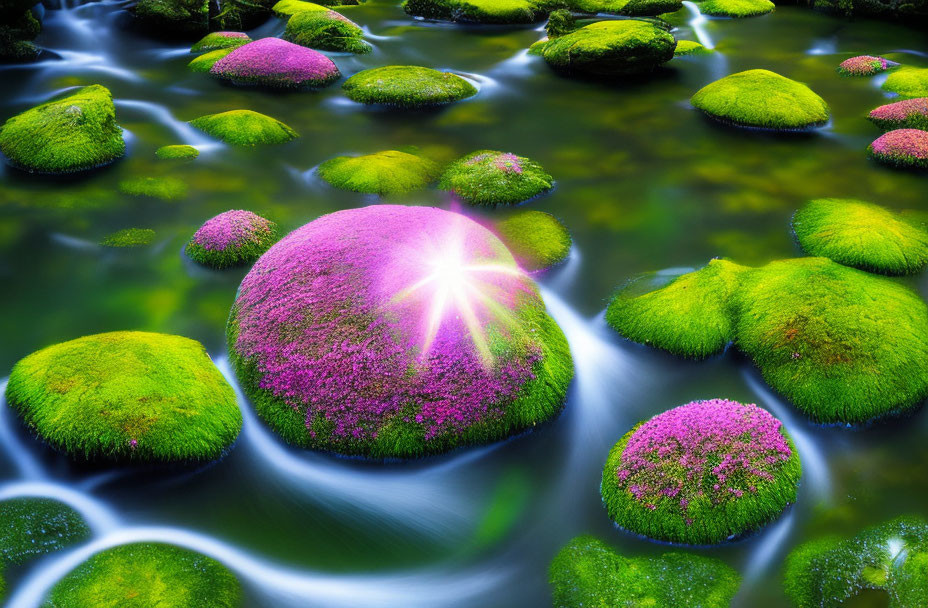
x,y
220,40
736,8
286,8
491,177
205,62
387,172
327,31
129,237
244,128
177,152
165,188
908,82
407,86
536,239
478,11
690,47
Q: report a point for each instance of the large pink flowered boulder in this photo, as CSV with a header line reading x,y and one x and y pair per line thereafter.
x,y
272,62
395,332
903,148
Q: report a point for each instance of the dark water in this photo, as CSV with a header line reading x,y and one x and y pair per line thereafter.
x,y
643,183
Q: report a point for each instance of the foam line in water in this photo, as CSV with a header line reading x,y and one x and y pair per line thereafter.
x,y
72,61
164,117
18,454
769,549
73,242
698,23
562,278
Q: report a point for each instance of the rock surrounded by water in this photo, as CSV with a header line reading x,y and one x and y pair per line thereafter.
x,y
232,238
275,63
407,86
538,240
906,114
479,11
386,172
245,128
906,148
491,177
326,31
31,527
395,332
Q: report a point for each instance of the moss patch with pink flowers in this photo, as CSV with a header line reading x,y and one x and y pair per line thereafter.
x,y
232,238
905,148
276,63
906,114
491,177
863,65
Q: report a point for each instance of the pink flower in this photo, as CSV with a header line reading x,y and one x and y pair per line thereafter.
x,y
863,65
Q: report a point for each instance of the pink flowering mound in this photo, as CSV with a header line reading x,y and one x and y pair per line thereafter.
x,y
272,62
906,114
701,473
232,238
903,148
863,65
395,332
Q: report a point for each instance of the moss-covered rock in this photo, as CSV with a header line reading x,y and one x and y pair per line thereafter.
x,y
238,15
177,152
407,86
609,48
905,148
762,99
478,11
736,8
144,575
630,8
395,332
232,238
387,172
220,40
205,62
490,177
74,133
277,64
245,128
862,235
701,473
863,65
18,28
908,11
287,8
906,114
172,18
893,557
127,396
690,47
166,188
536,239
129,237
587,573
32,527
327,31
908,82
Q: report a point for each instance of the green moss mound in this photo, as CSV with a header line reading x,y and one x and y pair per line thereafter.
x,y
862,235
762,99
387,172
74,133
892,557
185,18
630,8
144,575
177,152
609,48
690,47
32,527
407,86
129,237
327,31
491,177
588,573
478,11
536,239
286,8
204,63
245,128
127,396
736,8
907,82
165,188
220,40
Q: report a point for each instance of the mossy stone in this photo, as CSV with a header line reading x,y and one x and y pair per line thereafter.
x,y
536,239
906,114
762,99
477,11
173,18
143,575
588,573
287,8
902,148
244,128
166,188
32,527
177,152
205,62
691,47
129,237
74,133
736,8
387,172
908,82
232,238
220,40
630,8
491,177
327,31
407,86
127,396
862,235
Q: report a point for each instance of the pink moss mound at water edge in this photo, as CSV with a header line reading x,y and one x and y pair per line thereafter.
x,y
863,65
701,473
276,63
903,148
231,238
906,114
395,332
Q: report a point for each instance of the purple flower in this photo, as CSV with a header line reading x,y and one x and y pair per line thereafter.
x,y
231,229
863,65
278,63
907,147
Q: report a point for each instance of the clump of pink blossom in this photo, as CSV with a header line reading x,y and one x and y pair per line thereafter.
x,y
909,113
276,63
863,65
902,147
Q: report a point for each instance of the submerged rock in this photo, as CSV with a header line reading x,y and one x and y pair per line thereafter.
x,y
906,114
276,63
244,128
478,11
74,133
630,8
231,238
395,332
690,47
490,177
906,148
701,473
129,237
165,188
32,527
536,239
220,40
736,8
127,396
177,152
205,62
407,86
327,31
387,172
286,8
908,82
863,65
587,573
172,18
762,99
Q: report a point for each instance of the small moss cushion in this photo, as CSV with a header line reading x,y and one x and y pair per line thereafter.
x,y
762,99
276,63
690,47
387,172
220,40
127,396
327,31
609,48
286,8
177,152
205,62
144,575
736,8
863,65
478,11
244,128
129,237
407,86
536,239
630,8
231,239
862,235
908,82
395,332
892,556
491,177
906,114
587,573
905,148
74,133
32,527
166,188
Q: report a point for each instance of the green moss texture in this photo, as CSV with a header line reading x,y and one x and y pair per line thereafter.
x,y
326,31
387,172
177,152
407,87
244,128
33,527
536,239
129,237
491,177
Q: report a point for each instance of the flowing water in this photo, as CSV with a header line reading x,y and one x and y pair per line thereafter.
x,y
643,182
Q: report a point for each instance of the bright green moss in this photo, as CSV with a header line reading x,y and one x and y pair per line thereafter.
x,y
387,172
609,48
586,573
407,86
687,317
129,237
477,11
536,239
286,8
173,17
736,8
145,575
762,99
631,8
127,396
165,188
490,177
244,128
204,63
908,82
177,152
892,556
74,133
862,235
327,31
220,40
690,47
32,527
